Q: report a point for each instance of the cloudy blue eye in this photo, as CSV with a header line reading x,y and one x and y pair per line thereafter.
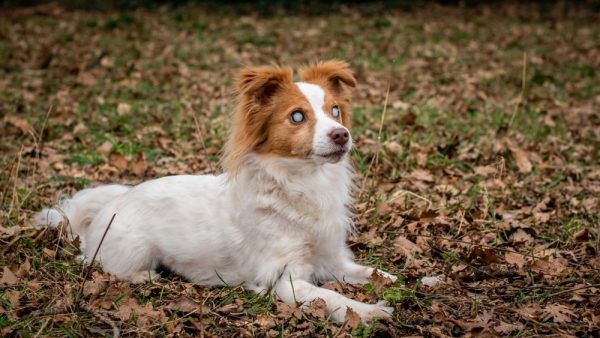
x,y
297,116
335,111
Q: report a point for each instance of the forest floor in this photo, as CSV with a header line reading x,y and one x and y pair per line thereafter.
x,y
480,191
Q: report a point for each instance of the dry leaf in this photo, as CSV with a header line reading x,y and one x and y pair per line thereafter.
x,y
352,318
405,247
123,108
506,328
49,252
265,322
118,161
185,305
558,313
317,308
286,311
94,287
520,158
8,277
393,146
521,236
421,175
105,148
21,123
139,166
13,297
379,281
516,259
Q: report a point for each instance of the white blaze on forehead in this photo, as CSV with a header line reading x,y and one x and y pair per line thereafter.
x,y
324,124
314,94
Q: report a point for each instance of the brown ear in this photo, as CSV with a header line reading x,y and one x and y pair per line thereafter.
x,y
334,73
261,83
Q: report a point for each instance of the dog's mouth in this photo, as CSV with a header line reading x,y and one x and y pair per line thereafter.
x,y
334,156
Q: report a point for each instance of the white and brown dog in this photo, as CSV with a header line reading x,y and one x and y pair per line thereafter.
x,y
276,219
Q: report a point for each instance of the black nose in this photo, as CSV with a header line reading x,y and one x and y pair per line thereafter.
x,y
339,136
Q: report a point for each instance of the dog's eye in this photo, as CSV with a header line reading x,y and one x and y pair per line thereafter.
x,y
335,111
297,116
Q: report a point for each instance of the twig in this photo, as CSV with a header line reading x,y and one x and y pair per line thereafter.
x,y
462,219
38,140
14,187
376,157
341,329
406,192
574,289
200,134
87,269
520,100
105,319
42,327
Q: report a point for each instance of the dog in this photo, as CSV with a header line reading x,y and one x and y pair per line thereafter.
x,y
276,220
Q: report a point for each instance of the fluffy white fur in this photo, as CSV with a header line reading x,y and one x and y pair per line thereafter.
x,y
281,224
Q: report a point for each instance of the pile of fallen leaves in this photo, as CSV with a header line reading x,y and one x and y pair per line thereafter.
x,y
477,154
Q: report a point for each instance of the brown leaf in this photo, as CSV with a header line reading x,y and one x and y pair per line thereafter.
x,y
228,308
422,175
118,161
13,297
24,269
317,308
479,323
408,119
94,287
49,252
520,158
516,259
559,313
484,256
21,123
550,264
185,305
393,146
286,311
139,166
581,235
506,328
8,277
126,308
123,108
145,314
105,148
352,318
379,282
405,247
265,322
521,236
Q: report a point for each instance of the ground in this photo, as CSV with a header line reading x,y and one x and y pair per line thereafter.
x,y
477,162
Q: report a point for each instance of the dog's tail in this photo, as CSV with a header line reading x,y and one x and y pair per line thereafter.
x,y
77,213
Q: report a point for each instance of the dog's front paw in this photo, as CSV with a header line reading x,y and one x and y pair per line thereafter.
x,y
368,312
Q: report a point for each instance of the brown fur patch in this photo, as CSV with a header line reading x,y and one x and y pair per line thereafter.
x,y
267,97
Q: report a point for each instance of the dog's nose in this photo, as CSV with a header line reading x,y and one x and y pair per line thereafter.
x,y
339,136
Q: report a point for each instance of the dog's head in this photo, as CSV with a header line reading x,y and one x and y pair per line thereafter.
x,y
276,116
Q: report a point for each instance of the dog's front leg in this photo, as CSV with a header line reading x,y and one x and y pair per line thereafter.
x,y
292,290
353,273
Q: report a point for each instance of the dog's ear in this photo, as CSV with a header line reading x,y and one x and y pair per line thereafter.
x,y
333,73
261,83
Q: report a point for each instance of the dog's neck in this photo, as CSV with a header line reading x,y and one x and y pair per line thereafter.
x,y
318,190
